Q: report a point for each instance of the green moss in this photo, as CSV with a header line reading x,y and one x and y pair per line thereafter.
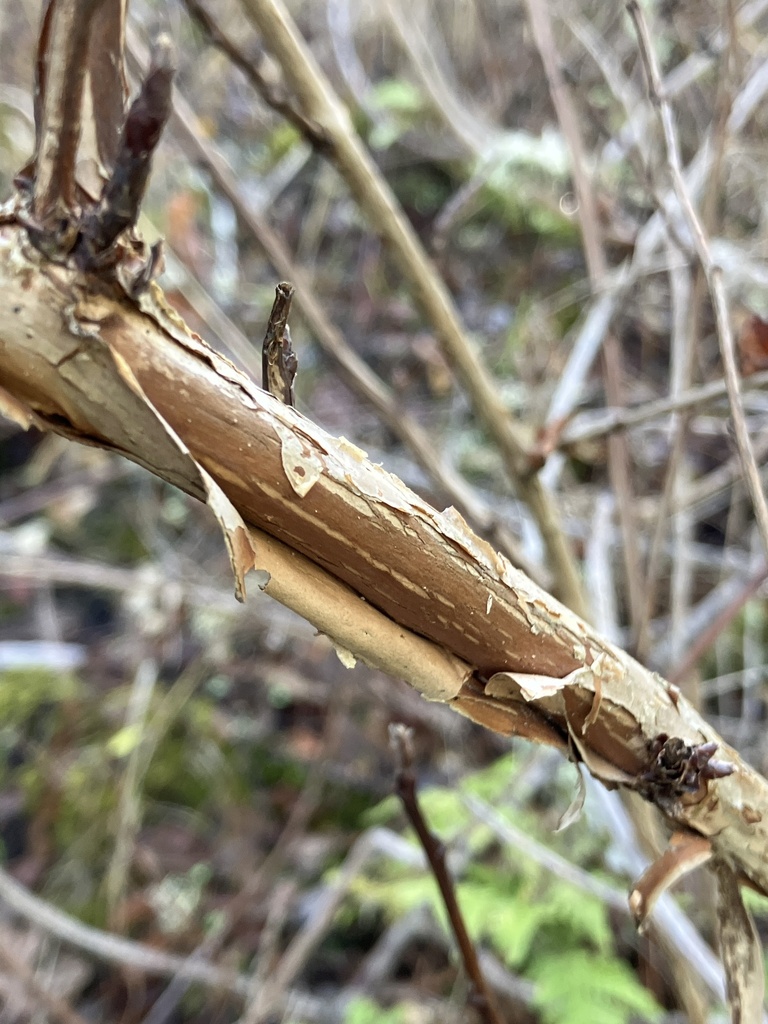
x,y
364,1011
24,691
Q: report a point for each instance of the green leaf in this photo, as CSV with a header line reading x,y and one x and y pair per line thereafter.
x,y
125,740
583,915
365,1011
397,94
509,922
576,988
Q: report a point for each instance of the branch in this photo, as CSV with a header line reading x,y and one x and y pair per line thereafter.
x,y
274,95
481,999
111,948
123,194
619,460
379,205
348,546
593,425
712,272
63,63
358,376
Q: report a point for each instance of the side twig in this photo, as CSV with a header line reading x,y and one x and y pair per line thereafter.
x,y
123,194
619,461
405,787
274,95
279,362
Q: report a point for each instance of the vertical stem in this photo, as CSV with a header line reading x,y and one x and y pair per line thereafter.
x,y
64,64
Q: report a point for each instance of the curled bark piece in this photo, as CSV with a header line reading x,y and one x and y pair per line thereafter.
x,y
686,852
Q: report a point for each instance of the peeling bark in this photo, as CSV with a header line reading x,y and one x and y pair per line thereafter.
x,y
388,578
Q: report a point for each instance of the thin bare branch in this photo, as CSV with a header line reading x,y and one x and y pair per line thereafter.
x,y
275,96
591,426
679,671
619,461
111,948
713,273
55,1007
481,999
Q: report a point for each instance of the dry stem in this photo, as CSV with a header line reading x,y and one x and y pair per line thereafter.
x,y
401,739
712,272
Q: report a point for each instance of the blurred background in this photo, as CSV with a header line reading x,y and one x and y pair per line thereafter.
x,y
205,778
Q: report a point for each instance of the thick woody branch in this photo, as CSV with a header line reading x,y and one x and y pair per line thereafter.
x,y
321,105
388,578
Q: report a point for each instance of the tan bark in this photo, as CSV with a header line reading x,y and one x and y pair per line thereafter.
x,y
388,578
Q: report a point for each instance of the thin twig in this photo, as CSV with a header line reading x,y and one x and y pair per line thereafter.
x,y
123,194
712,272
679,671
275,96
649,238
481,998
597,268
682,359
606,421
306,940
55,1007
279,908
468,125
130,799
687,317
255,884
511,835
110,948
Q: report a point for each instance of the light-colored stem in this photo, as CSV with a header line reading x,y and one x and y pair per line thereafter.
x,y
712,272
